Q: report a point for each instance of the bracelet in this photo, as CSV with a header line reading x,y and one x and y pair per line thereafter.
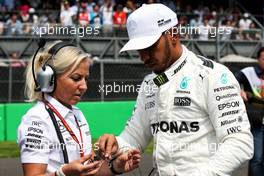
x,y
59,172
111,167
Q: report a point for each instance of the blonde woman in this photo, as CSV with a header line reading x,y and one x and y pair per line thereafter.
x,y
54,136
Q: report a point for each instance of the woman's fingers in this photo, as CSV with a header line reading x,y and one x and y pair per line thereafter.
x,y
86,158
91,172
92,166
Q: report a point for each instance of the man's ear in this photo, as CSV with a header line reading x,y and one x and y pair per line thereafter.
x,y
174,35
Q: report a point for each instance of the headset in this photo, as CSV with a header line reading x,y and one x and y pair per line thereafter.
x,y
45,80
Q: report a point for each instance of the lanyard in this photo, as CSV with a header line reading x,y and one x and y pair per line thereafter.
x,y
68,128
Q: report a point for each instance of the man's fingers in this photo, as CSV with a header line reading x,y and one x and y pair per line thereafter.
x,y
136,161
102,141
123,157
114,149
136,157
106,141
111,146
135,151
108,145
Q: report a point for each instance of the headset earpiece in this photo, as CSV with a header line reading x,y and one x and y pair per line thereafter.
x,y
46,75
46,79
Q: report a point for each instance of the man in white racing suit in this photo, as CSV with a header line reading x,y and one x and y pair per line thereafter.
x,y
189,105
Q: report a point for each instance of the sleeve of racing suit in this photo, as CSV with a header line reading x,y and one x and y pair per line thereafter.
x,y
229,118
137,133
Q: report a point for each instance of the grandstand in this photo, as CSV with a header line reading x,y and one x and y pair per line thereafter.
x,y
223,28
211,28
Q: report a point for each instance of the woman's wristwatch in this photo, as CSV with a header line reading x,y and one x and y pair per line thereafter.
x,y
59,172
111,167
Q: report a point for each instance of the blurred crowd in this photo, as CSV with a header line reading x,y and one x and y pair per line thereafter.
x,y
23,16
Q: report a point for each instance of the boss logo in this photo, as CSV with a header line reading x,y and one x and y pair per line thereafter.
x,y
182,101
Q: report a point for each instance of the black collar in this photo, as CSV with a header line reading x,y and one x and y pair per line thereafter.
x,y
258,70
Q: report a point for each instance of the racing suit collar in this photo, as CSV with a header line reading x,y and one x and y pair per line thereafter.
x,y
172,70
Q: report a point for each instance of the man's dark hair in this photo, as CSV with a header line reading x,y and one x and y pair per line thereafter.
x,y
260,51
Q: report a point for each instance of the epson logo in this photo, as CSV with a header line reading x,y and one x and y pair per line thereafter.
x,y
35,130
182,101
218,98
219,89
175,127
228,105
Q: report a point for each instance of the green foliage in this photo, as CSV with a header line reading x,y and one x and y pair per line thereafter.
x,y
9,149
149,148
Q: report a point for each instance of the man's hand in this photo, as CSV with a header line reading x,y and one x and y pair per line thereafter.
x,y
108,146
127,161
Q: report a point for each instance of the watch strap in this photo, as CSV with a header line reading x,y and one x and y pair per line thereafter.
x,y
111,167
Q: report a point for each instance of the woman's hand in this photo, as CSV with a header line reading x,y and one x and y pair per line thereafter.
x,y
82,167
